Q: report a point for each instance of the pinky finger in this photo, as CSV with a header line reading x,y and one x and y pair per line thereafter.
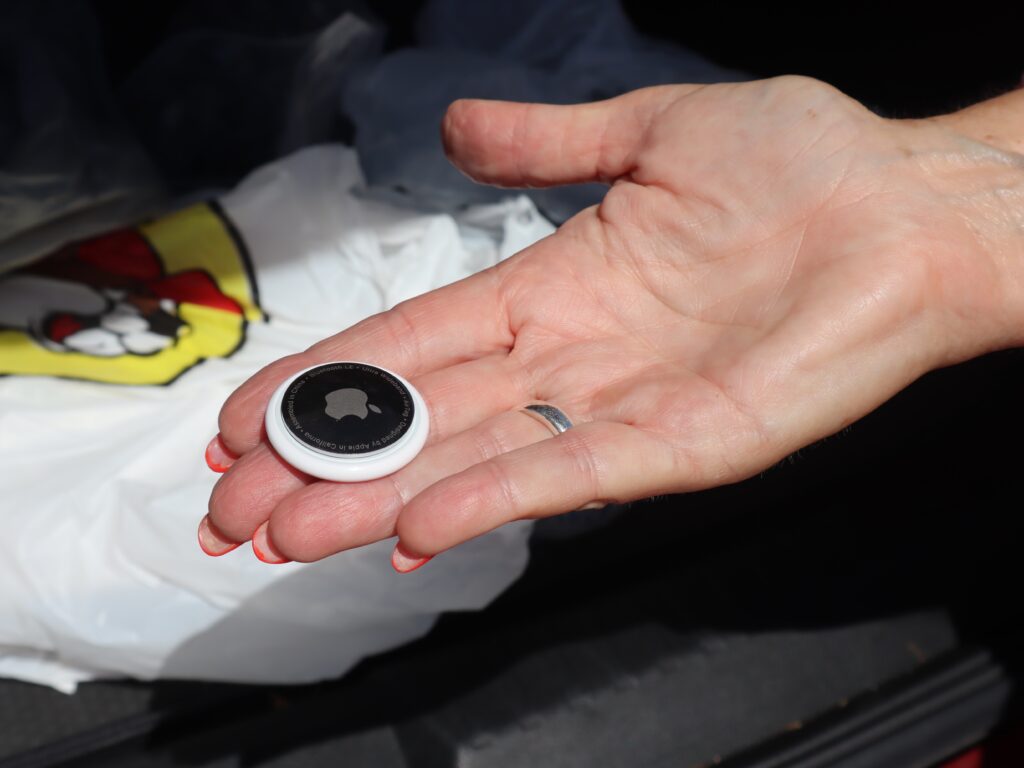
x,y
593,462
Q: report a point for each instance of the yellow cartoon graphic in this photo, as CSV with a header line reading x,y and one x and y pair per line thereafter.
x,y
136,306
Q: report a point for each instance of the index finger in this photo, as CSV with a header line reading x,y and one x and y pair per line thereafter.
x,y
450,325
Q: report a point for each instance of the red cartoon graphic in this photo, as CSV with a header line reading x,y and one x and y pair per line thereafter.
x,y
114,297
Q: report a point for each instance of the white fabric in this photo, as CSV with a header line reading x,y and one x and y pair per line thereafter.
x,y
103,485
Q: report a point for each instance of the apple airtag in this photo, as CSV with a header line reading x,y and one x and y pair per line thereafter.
x,y
347,421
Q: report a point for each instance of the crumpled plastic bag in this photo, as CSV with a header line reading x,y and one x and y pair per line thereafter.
x,y
103,480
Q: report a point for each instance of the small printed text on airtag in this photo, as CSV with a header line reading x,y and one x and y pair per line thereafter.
x,y
347,408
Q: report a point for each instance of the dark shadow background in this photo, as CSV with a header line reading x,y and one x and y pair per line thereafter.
x,y
692,627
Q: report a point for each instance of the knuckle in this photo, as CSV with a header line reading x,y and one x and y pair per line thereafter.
x,y
490,441
502,486
586,468
401,490
403,333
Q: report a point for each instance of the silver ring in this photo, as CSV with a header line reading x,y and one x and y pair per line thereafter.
x,y
550,416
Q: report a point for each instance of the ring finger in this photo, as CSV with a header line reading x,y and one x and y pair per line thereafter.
x,y
324,518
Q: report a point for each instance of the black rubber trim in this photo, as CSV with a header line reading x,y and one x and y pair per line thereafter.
x,y
211,702
88,743
928,716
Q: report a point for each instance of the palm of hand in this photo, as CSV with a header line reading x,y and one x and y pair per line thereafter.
x,y
731,297
765,269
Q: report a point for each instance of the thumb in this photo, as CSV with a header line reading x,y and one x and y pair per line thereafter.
x,y
539,145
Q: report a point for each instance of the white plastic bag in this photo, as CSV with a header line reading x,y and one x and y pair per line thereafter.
x,y
116,372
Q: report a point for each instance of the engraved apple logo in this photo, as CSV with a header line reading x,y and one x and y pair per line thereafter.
x,y
348,402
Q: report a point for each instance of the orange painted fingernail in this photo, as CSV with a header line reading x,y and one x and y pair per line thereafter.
x,y
264,550
403,562
212,542
218,457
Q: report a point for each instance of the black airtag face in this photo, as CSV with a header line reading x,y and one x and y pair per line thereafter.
x,y
345,409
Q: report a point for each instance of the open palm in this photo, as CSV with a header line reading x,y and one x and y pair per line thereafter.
x,y
771,262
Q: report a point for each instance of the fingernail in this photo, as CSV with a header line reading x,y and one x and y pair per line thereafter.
x,y
218,457
264,550
403,562
212,542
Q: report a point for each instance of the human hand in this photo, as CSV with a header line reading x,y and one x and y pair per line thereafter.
x,y
771,262
998,121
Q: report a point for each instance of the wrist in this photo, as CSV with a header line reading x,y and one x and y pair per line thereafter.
x,y
985,189
998,121
985,181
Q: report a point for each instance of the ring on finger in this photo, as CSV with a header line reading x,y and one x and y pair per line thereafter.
x,y
551,417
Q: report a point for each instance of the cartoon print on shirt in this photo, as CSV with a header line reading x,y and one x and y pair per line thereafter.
x,y
136,306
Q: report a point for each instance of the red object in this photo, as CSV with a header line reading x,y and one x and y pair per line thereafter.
x,y
973,759
127,254
206,527
403,562
218,457
124,252
266,553
61,326
193,287
1006,750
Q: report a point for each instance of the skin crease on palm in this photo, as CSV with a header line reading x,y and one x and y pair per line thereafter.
x,y
771,262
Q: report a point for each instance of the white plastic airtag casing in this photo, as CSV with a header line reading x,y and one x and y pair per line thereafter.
x,y
347,421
